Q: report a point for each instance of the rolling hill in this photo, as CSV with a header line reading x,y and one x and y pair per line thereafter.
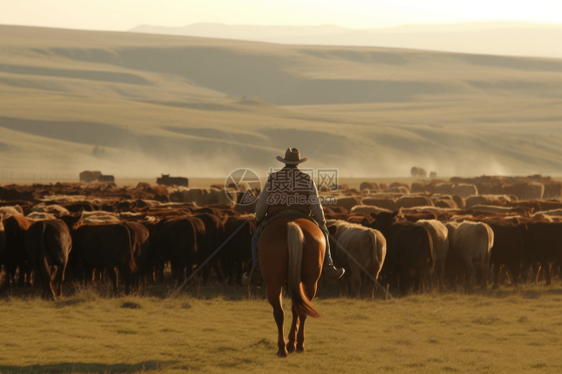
x,y
76,100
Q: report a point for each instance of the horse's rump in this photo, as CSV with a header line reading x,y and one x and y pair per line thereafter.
x,y
292,250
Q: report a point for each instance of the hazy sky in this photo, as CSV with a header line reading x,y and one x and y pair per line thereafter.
x,y
126,14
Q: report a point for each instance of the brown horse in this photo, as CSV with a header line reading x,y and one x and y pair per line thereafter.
x,y
292,251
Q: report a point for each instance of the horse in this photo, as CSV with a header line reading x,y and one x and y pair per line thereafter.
x,y
292,251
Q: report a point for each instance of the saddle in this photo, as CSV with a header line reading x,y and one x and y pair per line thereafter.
x,y
287,213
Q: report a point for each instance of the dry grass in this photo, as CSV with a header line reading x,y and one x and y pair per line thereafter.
x,y
227,330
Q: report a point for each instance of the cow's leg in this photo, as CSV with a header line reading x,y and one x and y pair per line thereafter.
x,y
355,282
418,281
546,267
178,269
470,275
22,271
485,266
44,271
87,275
59,279
497,270
291,346
515,271
10,269
126,274
405,281
114,279
537,271
216,266
441,275
159,272
274,298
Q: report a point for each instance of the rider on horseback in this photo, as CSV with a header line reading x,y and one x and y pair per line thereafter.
x,y
289,191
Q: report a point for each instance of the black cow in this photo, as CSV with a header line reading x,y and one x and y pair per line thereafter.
x,y
409,251
14,255
174,240
542,244
106,178
166,180
507,250
237,252
105,246
214,236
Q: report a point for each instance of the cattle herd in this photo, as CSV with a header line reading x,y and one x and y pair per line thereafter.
x,y
441,234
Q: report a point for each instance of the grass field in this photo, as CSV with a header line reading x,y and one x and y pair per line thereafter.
x,y
222,329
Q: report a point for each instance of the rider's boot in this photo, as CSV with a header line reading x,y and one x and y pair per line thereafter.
x,y
329,268
333,272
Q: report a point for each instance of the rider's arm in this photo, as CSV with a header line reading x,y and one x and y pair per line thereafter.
x,y
262,205
315,206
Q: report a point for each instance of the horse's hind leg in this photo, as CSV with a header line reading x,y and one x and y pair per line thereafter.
x,y
310,291
300,336
274,298
291,346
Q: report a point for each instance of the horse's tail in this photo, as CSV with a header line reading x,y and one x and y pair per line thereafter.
x,y
295,241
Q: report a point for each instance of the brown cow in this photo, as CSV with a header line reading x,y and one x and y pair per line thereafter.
x,y
348,202
141,248
48,244
413,201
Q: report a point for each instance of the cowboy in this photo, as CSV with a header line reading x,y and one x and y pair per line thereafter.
x,y
289,191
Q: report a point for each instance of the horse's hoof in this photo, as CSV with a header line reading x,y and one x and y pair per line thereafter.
x,y
291,349
300,349
282,353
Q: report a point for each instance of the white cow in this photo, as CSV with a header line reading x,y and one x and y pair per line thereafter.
x,y
367,246
471,242
11,211
440,236
99,217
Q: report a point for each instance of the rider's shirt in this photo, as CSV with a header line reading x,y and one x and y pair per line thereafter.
x,y
289,188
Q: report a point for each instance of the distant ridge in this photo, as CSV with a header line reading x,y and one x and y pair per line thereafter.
x,y
498,38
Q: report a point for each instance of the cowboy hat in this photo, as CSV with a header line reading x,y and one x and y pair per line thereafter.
x,y
292,157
